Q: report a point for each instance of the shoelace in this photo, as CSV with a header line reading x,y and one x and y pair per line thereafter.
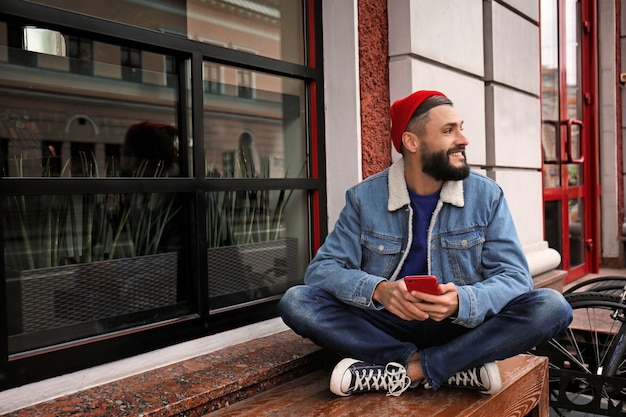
x,y
394,379
468,378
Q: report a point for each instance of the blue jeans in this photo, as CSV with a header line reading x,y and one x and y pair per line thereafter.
x,y
379,337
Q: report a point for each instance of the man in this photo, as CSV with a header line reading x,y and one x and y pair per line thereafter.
x,y
426,214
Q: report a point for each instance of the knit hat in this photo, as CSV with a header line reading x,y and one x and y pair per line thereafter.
x,y
401,112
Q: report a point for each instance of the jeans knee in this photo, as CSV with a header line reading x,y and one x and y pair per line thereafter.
x,y
556,308
295,305
288,301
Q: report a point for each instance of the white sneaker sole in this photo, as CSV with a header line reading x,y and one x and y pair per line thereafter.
x,y
495,380
337,377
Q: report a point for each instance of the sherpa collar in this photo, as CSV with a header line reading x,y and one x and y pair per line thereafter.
x,y
451,192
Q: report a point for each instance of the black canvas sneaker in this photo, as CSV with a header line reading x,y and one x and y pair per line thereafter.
x,y
351,376
484,378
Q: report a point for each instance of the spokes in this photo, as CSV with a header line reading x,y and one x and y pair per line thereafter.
x,y
578,357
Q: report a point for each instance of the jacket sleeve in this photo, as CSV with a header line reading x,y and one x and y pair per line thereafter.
x,y
504,272
336,266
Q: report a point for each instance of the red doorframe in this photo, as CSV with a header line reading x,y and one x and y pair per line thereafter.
x,y
589,190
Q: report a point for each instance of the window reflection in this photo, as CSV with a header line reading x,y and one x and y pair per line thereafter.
x,y
86,259
254,132
576,231
270,28
43,231
553,224
80,51
256,244
550,137
44,41
77,107
85,264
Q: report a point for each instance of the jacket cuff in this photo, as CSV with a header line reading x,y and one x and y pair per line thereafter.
x,y
364,294
467,302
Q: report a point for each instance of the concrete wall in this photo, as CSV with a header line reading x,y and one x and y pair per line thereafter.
x,y
491,71
342,101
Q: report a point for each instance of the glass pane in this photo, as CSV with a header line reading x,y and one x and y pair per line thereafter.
x,y
550,136
550,141
572,59
575,145
549,61
76,262
256,244
254,124
575,175
553,222
270,28
551,175
576,231
78,115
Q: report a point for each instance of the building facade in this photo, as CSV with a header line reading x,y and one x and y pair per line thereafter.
x,y
277,107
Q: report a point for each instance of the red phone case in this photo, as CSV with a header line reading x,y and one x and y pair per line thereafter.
x,y
423,283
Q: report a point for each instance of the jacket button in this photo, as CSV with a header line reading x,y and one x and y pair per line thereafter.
x,y
464,243
381,248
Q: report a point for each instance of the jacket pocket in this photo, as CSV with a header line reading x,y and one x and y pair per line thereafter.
x,y
463,252
381,253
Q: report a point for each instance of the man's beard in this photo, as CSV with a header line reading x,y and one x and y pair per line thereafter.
x,y
437,165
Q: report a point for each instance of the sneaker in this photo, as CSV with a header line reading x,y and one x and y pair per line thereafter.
x,y
351,376
484,378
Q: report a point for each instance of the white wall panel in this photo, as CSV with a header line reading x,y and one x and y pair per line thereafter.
x,y
514,130
446,31
513,54
343,109
522,190
529,8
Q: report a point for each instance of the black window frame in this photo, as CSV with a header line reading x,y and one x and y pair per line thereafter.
x,y
27,367
81,52
132,63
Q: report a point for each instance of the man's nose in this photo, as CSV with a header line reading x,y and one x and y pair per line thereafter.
x,y
462,139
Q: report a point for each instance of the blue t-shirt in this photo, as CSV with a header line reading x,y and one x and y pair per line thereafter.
x,y
423,206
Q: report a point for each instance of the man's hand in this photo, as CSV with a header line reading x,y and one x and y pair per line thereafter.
x,y
395,297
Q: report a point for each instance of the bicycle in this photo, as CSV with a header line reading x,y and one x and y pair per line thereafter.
x,y
588,361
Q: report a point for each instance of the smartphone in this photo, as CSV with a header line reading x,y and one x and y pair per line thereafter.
x,y
422,283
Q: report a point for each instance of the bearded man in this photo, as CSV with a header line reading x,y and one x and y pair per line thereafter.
x,y
427,214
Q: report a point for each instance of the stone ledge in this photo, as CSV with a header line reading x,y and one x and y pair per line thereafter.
x,y
551,279
196,386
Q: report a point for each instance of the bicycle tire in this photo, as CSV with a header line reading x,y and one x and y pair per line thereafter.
x,y
578,355
610,283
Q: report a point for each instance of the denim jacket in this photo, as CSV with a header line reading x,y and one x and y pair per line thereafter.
x,y
472,239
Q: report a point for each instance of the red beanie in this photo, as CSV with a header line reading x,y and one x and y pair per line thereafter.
x,y
401,112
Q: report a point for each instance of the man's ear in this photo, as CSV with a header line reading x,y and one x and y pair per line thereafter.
x,y
410,142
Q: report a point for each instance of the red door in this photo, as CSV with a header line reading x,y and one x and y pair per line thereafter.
x,y
568,93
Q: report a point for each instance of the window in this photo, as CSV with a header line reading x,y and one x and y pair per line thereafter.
x,y
244,84
171,71
131,64
81,53
212,78
168,195
275,28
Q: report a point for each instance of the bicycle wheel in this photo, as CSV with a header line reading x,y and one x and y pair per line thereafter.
x,y
578,356
610,284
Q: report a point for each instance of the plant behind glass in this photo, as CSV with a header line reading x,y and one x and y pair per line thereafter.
x,y
43,231
245,216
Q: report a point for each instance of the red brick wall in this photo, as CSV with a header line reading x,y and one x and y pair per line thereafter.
x,y
374,85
